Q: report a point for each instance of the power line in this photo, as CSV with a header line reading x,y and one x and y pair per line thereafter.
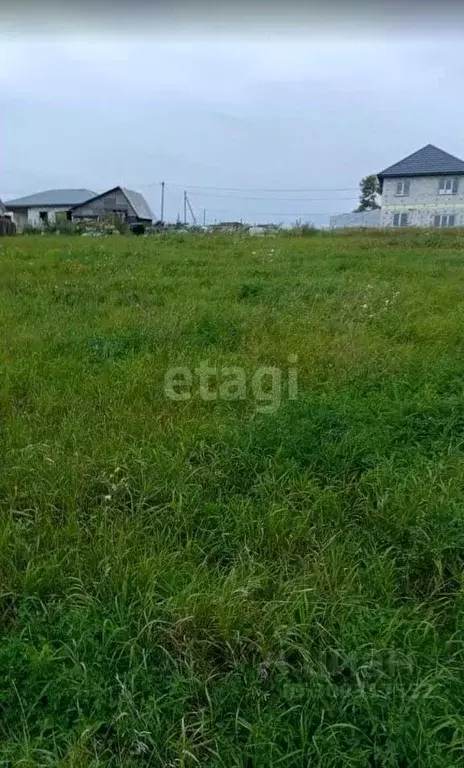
x,y
254,189
166,188
281,213
274,199
251,214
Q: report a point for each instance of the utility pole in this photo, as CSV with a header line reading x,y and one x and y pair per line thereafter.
x,y
191,210
204,217
162,202
185,207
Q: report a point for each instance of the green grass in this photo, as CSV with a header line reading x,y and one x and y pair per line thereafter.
x,y
201,584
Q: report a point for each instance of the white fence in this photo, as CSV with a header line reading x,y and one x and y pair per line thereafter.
x,y
368,219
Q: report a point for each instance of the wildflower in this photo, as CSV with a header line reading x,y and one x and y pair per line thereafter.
x,y
364,306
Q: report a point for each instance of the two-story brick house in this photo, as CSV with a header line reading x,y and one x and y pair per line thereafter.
x,y
425,189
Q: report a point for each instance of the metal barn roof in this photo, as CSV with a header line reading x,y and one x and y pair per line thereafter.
x,y
139,204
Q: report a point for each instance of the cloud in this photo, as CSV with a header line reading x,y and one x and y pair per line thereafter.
x,y
288,112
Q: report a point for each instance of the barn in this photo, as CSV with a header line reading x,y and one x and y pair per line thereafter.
x,y
117,202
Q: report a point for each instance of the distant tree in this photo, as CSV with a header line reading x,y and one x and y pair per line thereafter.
x,y
370,188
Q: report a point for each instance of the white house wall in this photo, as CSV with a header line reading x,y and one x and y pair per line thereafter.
x,y
19,218
33,215
422,203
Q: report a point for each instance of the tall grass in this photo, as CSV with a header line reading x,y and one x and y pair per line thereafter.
x,y
195,583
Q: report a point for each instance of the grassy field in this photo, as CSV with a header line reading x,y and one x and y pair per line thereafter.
x,y
198,582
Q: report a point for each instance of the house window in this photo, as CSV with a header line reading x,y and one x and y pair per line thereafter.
x,y
400,219
402,188
448,186
43,216
444,220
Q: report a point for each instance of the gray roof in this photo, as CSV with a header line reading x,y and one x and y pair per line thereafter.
x,y
139,204
135,199
52,197
428,161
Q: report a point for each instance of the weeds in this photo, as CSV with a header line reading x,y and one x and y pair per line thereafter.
x,y
193,583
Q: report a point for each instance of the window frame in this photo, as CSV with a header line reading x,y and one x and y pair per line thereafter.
x,y
448,185
402,219
445,220
405,185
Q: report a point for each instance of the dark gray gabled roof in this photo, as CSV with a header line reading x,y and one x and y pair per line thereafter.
x,y
139,204
52,197
428,161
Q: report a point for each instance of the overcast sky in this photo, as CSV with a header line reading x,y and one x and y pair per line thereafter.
x,y
289,112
